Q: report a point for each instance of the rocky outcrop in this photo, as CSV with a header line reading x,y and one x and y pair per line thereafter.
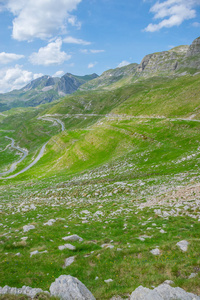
x,y
67,287
194,48
162,292
70,288
144,62
25,290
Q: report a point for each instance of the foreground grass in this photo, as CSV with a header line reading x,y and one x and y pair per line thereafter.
x,y
104,213
105,178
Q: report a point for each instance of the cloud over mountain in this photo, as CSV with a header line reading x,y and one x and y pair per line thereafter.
x,y
50,55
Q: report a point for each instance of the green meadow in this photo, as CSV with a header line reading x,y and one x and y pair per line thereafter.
x,y
123,175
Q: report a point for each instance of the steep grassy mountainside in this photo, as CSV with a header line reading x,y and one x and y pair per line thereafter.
x,y
178,61
43,90
120,168
110,77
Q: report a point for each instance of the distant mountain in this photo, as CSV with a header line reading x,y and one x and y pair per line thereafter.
x,y
178,61
42,90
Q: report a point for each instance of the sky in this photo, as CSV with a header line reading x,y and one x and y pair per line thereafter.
x,y
54,37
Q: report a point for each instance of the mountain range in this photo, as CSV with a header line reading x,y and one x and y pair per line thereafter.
x,y
43,90
177,61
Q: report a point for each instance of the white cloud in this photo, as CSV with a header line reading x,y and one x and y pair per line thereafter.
x,y
172,13
58,74
93,51
72,20
196,24
41,18
6,58
96,51
92,65
72,40
123,64
15,78
50,55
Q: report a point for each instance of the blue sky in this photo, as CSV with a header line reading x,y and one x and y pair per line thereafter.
x,y
53,37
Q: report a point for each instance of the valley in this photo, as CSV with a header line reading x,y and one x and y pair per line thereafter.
x,y
116,163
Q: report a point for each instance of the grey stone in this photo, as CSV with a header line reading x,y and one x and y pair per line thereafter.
x,y
183,245
167,293
142,293
72,238
25,290
168,282
37,252
50,222
108,280
192,275
155,251
162,292
67,246
69,261
70,288
26,228
107,246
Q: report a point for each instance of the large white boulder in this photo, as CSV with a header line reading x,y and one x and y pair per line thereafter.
x,y
70,288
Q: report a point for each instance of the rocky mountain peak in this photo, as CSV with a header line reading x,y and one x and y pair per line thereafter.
x,y
194,48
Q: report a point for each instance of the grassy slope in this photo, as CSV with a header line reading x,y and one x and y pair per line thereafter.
x,y
82,169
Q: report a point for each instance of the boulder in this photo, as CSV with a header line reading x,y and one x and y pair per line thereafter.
x,y
72,238
67,246
25,290
162,292
26,228
70,288
183,245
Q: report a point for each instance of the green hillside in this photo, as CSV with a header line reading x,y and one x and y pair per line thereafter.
x,y
119,166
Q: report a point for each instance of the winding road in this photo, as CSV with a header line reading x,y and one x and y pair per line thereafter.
x,y
13,166
25,152
32,164
55,120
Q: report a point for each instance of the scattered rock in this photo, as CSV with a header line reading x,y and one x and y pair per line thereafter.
x,y
107,246
37,252
155,251
86,212
69,261
70,288
50,222
162,292
168,282
183,245
108,280
143,237
25,290
67,246
26,228
98,213
192,275
72,238
142,293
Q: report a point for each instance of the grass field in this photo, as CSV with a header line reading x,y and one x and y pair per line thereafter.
x,y
123,175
